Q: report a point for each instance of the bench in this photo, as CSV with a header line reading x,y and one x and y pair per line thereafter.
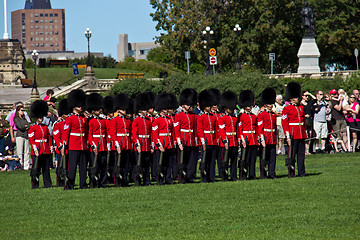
x,y
122,76
59,62
26,83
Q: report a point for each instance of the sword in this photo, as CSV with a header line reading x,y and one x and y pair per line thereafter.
x,y
35,173
93,170
202,163
138,169
160,174
117,170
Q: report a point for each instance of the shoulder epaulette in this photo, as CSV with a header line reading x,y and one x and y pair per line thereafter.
x,y
70,114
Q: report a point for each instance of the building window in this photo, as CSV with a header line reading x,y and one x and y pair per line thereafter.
x,y
23,27
36,14
32,27
23,35
46,39
51,15
32,33
55,14
36,21
31,39
42,39
36,27
55,20
41,27
31,15
51,21
42,45
45,20
23,15
56,26
46,15
36,39
46,33
41,21
31,21
41,33
56,33
36,45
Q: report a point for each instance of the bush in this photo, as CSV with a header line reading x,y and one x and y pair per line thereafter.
x,y
29,63
146,66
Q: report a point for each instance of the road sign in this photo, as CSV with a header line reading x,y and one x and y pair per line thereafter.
x,y
75,68
212,52
356,52
187,55
271,56
213,60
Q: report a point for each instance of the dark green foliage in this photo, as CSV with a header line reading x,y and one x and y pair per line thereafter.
x,y
159,55
145,66
29,63
97,62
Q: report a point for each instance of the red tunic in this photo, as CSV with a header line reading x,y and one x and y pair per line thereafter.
x,y
97,133
247,129
206,128
141,132
293,121
227,130
58,130
110,142
217,115
39,137
162,129
172,117
266,127
75,132
120,132
185,128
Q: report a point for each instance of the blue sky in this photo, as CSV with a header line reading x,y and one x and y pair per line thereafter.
x,y
106,19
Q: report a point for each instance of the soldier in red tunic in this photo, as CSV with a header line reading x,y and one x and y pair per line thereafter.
x,y
206,131
40,141
227,131
75,139
108,111
150,114
58,129
266,131
173,105
293,122
247,132
185,132
97,138
141,137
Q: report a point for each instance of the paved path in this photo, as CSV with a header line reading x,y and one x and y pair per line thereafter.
x,y
14,94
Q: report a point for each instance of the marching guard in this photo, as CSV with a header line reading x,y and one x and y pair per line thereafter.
x,y
109,115
173,105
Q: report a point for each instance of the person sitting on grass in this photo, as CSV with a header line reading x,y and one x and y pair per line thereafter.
x,y
13,161
3,165
335,141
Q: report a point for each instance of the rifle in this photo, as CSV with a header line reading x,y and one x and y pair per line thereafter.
x,y
289,159
263,169
202,163
93,170
182,173
243,164
34,172
109,168
225,165
59,171
117,170
160,168
139,175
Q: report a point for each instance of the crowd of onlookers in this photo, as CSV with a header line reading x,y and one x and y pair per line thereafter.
x,y
328,114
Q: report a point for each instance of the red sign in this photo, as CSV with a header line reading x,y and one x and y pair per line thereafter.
x,y
213,61
212,52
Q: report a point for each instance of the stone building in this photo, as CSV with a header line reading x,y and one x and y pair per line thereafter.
x,y
136,50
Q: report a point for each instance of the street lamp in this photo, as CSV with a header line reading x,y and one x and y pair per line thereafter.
x,y
237,30
88,36
207,35
34,90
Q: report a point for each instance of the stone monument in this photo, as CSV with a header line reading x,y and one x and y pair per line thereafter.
x,y
308,53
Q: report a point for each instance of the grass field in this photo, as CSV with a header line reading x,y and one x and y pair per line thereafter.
x,y
323,205
51,77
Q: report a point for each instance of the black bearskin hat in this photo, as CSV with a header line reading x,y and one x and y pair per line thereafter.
x,y
39,109
206,99
173,104
63,108
246,98
76,98
142,102
162,102
293,90
108,105
268,96
94,102
228,100
216,95
121,102
130,109
188,97
152,96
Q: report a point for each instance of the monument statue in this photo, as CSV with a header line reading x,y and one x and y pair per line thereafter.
x,y
308,22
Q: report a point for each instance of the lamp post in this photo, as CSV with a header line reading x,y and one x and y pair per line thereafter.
x,y
34,91
237,30
207,35
88,36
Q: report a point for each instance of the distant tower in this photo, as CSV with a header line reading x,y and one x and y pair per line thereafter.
x,y
37,4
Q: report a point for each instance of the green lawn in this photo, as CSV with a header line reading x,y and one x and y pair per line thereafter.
x,y
51,77
324,205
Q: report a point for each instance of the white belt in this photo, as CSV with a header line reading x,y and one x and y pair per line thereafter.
x,y
269,130
231,133
144,136
78,134
122,134
210,132
186,130
98,136
296,124
164,134
248,131
40,140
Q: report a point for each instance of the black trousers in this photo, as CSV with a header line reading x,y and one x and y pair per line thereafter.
x,y
60,183
146,159
190,162
124,159
77,157
173,163
165,166
233,153
270,159
298,151
100,167
44,167
250,158
211,154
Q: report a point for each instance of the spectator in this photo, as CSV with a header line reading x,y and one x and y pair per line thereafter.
x,y
308,103
343,94
278,107
319,110
335,141
10,120
357,95
11,159
353,119
22,138
3,165
2,135
338,119
49,94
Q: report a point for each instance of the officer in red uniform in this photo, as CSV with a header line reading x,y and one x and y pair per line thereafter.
x,y
58,128
40,141
141,137
206,131
75,138
266,131
162,133
227,131
173,105
293,123
185,132
108,112
97,137
120,134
